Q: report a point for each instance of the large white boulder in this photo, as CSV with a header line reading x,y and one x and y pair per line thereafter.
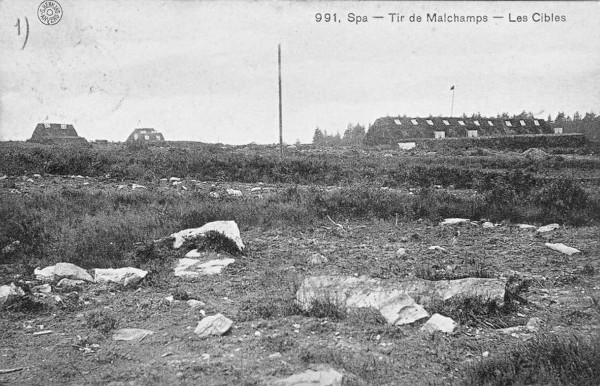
x,y
441,323
322,375
395,306
125,276
213,325
61,271
228,229
394,298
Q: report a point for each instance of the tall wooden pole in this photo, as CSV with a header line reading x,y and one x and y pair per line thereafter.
x,y
280,105
452,107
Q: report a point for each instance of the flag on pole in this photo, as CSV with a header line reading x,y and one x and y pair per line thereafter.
x,y
452,88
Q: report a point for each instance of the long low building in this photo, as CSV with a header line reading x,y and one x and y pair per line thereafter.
x,y
391,130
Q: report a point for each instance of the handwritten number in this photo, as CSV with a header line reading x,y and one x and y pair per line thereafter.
x,y
18,25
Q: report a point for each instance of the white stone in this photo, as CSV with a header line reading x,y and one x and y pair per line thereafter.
x,y
10,292
193,254
189,268
193,303
44,288
317,259
454,221
407,145
255,189
488,224
174,179
213,325
441,323
548,228
525,226
62,270
214,194
227,228
563,248
137,186
37,176
401,252
128,334
323,375
125,276
69,283
234,192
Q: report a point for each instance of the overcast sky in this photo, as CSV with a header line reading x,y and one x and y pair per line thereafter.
x,y
207,71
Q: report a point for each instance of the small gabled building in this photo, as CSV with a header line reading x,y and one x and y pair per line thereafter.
x,y
145,135
56,133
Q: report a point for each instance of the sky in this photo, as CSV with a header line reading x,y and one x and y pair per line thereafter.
x,y
207,71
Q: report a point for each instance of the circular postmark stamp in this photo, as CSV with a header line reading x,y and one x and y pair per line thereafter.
x,y
50,12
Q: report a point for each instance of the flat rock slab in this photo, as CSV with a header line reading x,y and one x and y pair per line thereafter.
x,y
322,376
191,268
454,221
548,228
125,276
129,334
394,299
60,271
228,229
213,325
563,248
441,323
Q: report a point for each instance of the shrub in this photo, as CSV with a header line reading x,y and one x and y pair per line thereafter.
x,y
546,360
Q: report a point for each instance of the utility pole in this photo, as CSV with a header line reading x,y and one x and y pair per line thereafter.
x,y
280,106
452,107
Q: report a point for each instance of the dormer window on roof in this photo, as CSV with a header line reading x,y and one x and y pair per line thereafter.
x,y
536,122
397,121
462,123
446,122
490,123
522,122
508,123
476,123
414,122
430,122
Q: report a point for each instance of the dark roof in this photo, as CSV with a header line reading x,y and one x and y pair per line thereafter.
x,y
393,129
145,134
55,133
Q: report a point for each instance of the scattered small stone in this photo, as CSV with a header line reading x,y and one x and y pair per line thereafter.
x,y
62,270
255,189
525,226
190,268
129,334
488,224
167,354
174,179
548,228
485,354
563,248
44,288
45,332
317,259
322,375
193,303
11,292
213,325
70,284
276,355
257,333
137,186
214,195
234,192
401,252
454,221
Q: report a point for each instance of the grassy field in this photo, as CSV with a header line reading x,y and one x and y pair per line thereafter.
x,y
355,206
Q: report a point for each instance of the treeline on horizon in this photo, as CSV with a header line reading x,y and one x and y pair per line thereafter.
x,y
588,124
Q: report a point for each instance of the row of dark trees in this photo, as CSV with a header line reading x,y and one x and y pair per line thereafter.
x,y
589,124
354,135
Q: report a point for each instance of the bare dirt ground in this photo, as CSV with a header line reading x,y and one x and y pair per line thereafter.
x,y
264,344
